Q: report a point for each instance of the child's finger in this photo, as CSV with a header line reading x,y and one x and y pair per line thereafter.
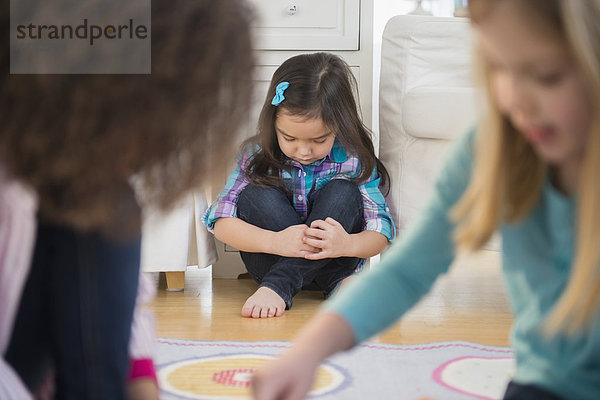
x,y
318,243
319,223
316,256
262,388
307,248
315,233
332,221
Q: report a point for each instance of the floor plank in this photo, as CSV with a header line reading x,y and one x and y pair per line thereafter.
x,y
467,304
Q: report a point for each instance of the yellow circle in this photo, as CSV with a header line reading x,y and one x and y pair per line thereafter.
x,y
229,377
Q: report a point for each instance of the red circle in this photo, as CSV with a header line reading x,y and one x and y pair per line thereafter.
x,y
227,377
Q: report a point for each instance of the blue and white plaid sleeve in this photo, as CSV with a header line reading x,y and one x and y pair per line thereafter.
x,y
376,211
225,206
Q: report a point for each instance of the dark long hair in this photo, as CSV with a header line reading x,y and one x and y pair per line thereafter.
x,y
321,86
77,138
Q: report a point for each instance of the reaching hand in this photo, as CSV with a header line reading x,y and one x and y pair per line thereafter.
x,y
329,238
287,378
290,242
290,377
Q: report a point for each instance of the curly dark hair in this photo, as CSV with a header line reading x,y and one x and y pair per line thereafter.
x,y
77,139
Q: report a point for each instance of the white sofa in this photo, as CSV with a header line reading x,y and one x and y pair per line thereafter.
x,y
427,98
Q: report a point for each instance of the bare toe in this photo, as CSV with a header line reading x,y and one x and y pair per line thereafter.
x,y
247,309
264,303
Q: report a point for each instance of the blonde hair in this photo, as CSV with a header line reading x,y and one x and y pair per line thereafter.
x,y
508,176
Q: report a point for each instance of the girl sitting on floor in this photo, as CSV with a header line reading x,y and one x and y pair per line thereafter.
x,y
304,205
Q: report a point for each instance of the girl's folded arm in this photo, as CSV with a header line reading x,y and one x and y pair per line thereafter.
x,y
367,244
244,236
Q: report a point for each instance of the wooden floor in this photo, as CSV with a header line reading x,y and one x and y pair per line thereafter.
x,y
467,304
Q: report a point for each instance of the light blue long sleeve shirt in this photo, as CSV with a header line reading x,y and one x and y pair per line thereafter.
x,y
537,254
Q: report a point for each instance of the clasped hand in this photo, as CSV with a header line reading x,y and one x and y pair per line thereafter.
x,y
323,239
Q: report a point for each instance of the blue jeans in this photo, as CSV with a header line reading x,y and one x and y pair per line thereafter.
x,y
270,209
75,314
516,391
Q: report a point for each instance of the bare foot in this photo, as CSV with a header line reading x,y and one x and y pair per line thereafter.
x,y
264,303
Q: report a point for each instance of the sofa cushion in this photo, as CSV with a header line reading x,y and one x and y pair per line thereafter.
x,y
427,98
437,112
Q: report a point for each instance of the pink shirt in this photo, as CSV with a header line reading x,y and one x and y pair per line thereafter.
x,y
18,206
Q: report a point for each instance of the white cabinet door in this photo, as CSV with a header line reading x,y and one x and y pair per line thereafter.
x,y
307,24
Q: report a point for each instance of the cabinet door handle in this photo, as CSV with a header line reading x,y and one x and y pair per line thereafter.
x,y
291,9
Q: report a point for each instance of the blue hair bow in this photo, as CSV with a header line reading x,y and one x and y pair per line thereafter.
x,y
278,98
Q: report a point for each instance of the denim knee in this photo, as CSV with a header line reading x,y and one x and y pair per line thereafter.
x,y
252,194
341,200
266,207
342,186
341,190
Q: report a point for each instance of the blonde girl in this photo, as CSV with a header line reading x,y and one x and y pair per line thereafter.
x,y
530,171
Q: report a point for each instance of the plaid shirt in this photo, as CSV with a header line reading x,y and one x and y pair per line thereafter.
x,y
305,180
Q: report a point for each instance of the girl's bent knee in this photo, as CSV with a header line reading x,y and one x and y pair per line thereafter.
x,y
267,208
341,186
342,189
252,195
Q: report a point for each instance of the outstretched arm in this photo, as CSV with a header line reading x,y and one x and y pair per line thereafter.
x,y
290,377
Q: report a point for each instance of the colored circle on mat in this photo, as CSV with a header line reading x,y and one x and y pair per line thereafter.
x,y
228,376
483,377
